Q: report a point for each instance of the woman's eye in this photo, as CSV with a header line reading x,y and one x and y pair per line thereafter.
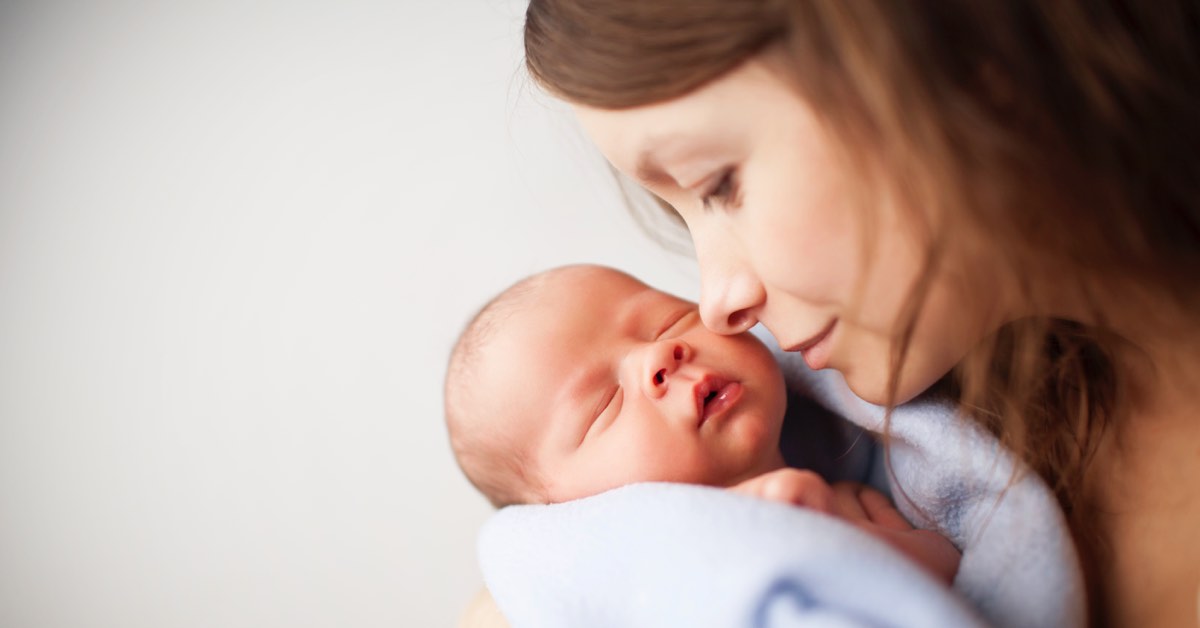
x,y
722,192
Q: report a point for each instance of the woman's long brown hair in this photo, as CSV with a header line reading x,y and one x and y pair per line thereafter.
x,y
1060,137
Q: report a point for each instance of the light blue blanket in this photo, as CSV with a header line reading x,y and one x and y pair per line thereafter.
x,y
657,555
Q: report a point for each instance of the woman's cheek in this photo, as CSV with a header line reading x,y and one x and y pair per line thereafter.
x,y
811,252
809,260
892,272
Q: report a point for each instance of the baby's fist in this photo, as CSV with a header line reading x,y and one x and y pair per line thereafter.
x,y
790,486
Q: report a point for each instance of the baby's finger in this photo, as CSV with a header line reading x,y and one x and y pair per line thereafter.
x,y
802,488
845,496
881,511
790,486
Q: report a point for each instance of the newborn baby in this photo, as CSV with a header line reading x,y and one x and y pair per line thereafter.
x,y
582,379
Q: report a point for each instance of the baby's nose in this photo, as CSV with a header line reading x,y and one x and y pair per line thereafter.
x,y
661,362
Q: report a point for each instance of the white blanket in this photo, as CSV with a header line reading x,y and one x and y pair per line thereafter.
x,y
658,555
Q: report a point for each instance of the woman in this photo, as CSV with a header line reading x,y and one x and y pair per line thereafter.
x,y
999,198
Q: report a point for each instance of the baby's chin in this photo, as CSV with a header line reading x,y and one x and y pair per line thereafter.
x,y
759,442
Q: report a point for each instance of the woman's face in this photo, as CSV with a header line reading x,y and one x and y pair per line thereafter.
x,y
783,236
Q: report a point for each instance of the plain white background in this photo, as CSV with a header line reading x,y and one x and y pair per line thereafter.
x,y
237,240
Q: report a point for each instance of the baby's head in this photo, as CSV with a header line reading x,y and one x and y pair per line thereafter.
x,y
582,379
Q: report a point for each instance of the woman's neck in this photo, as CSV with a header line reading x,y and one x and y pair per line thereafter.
x,y
1147,482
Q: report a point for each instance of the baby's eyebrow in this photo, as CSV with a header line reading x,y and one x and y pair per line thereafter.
x,y
673,319
638,314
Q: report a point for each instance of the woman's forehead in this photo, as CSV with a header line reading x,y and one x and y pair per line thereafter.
x,y
724,99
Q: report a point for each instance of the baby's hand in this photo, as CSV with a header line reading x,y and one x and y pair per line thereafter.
x,y
870,510
862,506
790,486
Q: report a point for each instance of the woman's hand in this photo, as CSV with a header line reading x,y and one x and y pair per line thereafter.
x,y
862,506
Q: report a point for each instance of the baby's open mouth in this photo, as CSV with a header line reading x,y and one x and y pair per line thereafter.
x,y
715,395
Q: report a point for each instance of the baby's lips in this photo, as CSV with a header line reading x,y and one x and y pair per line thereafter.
x,y
714,395
700,391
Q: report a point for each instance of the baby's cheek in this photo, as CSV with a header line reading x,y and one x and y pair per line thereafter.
x,y
751,439
647,459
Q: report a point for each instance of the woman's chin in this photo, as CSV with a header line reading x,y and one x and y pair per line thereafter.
x,y
872,387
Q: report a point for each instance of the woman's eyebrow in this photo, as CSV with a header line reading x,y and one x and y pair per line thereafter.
x,y
647,167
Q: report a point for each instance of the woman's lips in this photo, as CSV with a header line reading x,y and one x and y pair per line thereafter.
x,y
816,349
714,396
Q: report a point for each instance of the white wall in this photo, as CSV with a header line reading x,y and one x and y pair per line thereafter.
x,y
237,240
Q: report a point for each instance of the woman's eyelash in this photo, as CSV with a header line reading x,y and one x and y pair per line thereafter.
x,y
723,191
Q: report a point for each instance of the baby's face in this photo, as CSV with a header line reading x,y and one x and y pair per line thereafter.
x,y
609,382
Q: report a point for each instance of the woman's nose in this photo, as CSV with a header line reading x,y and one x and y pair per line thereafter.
x,y
660,360
729,303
